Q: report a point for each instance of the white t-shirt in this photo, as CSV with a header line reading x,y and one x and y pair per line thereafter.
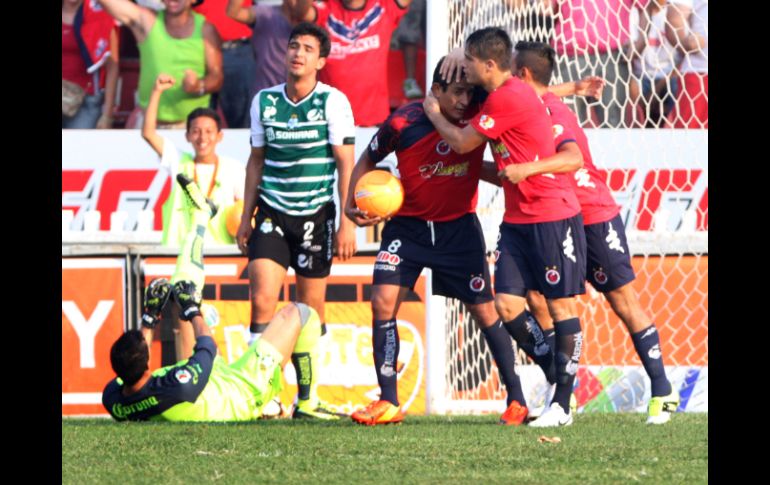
x,y
236,178
699,21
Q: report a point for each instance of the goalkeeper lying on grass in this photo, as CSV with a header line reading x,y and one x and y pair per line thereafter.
x,y
203,387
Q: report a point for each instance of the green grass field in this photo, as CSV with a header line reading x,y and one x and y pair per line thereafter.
x,y
598,448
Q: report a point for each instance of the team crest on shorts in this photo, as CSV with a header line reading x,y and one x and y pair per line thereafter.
x,y
183,376
477,284
266,226
552,276
600,276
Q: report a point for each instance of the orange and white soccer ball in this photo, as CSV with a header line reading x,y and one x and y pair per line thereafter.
x,y
379,193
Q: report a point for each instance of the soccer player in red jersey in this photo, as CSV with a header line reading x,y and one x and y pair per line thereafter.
x,y
541,243
609,261
437,228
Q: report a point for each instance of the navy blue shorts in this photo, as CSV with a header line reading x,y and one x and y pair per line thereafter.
x,y
547,256
453,250
609,260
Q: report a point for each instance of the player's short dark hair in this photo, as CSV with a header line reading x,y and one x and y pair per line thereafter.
x,y
207,112
491,43
130,356
314,30
538,57
437,75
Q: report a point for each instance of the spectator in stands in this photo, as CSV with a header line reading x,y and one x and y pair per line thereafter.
x,y
410,32
89,39
182,44
221,178
360,31
654,61
270,26
594,38
238,64
687,29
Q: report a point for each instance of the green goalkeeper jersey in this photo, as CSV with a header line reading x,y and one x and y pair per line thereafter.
x,y
202,388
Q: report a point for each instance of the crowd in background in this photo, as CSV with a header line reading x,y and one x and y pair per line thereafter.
x,y
653,55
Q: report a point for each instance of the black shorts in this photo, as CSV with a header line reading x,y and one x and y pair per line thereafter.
x,y
453,250
609,260
547,256
302,242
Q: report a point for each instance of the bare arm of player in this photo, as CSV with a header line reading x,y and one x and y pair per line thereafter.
x,y
110,83
345,239
138,19
678,29
489,173
303,11
254,168
352,212
149,133
148,333
460,140
236,11
590,86
200,328
212,81
403,3
567,159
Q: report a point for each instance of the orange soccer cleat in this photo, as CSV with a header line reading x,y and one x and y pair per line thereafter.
x,y
378,412
514,415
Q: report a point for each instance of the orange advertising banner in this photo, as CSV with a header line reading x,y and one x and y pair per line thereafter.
x,y
93,312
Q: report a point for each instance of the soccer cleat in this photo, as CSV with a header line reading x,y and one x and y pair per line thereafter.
x,y
514,415
660,408
195,196
318,412
553,416
412,89
378,412
156,296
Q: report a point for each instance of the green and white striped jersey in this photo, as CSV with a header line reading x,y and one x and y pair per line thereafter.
x,y
298,177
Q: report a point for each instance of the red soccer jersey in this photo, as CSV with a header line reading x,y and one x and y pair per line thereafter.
x,y
439,184
358,62
595,198
517,123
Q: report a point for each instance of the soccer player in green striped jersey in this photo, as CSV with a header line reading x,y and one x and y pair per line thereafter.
x,y
301,131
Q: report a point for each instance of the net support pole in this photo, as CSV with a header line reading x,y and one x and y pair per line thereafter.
x,y
436,36
435,336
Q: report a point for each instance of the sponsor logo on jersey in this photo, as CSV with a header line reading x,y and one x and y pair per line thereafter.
x,y
442,148
477,284
552,276
501,150
269,113
296,135
440,170
293,121
357,28
121,411
557,130
270,134
183,376
267,226
486,122
315,114
600,276
317,102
